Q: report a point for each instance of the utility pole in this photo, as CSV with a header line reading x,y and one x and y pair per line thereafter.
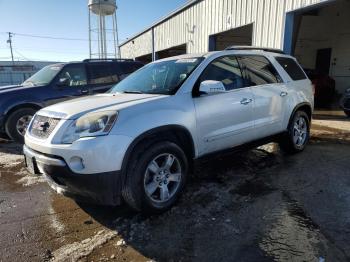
x,y
9,41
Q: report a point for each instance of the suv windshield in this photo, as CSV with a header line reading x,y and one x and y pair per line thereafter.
x,y
159,78
44,76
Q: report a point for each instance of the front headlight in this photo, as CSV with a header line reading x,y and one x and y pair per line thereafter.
x,y
90,125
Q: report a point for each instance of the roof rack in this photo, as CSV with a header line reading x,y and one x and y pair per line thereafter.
x,y
107,59
266,49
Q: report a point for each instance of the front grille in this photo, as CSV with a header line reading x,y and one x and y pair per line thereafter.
x,y
43,126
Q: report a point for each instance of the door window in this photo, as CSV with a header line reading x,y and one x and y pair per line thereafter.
x,y
73,75
102,74
259,70
226,70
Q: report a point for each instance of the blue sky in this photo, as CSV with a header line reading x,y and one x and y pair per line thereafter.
x,y
68,19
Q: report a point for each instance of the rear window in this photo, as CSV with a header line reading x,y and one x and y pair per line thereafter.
x,y
292,68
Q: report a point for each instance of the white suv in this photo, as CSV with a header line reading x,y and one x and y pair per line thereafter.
x,y
138,141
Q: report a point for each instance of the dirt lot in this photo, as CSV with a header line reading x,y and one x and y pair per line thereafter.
x,y
256,206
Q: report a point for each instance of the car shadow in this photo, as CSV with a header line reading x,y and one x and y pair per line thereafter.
x,y
10,147
200,215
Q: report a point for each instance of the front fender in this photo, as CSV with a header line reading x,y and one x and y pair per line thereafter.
x,y
175,110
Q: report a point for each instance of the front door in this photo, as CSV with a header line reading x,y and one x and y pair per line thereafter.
x,y
224,120
70,83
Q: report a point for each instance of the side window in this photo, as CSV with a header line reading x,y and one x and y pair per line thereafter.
x,y
226,70
127,68
259,70
101,74
73,75
292,68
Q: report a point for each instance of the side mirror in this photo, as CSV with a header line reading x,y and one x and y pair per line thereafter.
x,y
62,82
211,87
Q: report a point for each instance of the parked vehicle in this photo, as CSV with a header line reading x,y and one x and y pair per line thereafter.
x,y
139,141
345,102
324,87
57,83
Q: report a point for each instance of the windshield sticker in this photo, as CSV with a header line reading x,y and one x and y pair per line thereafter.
x,y
187,60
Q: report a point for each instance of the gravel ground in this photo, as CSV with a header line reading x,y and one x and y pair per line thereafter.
x,y
259,205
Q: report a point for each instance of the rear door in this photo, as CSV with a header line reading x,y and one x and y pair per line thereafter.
x,y
269,95
102,76
225,119
127,68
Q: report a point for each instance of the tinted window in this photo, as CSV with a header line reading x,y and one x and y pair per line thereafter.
x,y
259,70
74,75
126,69
226,70
292,68
102,74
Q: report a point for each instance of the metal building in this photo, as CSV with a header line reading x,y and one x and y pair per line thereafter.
x,y
317,32
15,73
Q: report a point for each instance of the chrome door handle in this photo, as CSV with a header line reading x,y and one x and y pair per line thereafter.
x,y
246,101
283,94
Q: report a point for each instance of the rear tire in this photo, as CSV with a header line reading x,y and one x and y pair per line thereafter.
x,y
17,123
156,176
298,134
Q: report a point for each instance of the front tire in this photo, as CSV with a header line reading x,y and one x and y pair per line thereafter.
x,y
155,177
17,123
298,134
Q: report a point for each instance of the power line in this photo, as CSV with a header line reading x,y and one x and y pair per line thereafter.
x,y
51,37
20,54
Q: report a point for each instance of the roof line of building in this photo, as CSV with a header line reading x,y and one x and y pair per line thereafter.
x,y
162,20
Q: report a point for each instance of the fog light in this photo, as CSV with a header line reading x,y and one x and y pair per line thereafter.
x,y
76,163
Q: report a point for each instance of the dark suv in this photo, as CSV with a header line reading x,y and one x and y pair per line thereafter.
x,y
56,83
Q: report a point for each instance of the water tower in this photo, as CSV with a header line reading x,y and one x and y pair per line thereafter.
x,y
103,29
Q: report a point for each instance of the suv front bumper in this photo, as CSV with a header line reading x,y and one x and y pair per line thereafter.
x,y
101,188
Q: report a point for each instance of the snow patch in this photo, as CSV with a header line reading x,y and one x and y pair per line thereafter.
x,y
78,250
29,179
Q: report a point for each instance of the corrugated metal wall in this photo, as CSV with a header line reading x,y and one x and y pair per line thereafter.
x,y
194,25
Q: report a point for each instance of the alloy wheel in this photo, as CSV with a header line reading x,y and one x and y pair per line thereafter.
x,y
162,178
300,131
22,124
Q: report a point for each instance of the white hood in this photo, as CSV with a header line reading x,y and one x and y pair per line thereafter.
x,y
73,109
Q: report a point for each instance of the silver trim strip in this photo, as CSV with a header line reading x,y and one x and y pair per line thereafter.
x,y
42,159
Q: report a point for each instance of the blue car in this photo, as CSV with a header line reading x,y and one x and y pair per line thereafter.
x,y
54,84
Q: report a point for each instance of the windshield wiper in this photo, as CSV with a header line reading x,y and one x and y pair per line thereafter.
x,y
132,92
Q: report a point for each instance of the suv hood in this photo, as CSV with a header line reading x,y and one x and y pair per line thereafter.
x,y
6,88
73,109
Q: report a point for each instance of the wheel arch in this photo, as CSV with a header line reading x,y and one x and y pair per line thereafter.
x,y
306,107
174,133
19,106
